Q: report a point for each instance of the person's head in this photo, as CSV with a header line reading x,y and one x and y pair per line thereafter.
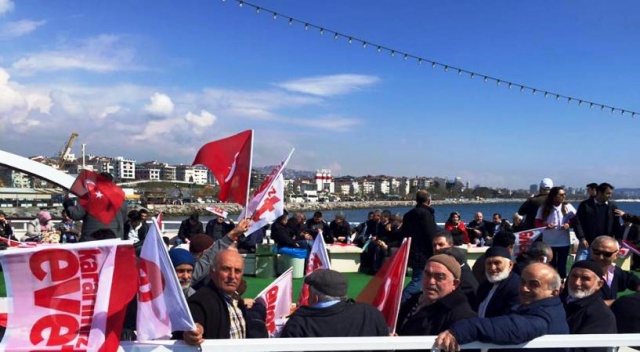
x,y
370,215
134,218
65,215
555,197
226,270
300,217
604,251
3,216
440,277
194,218
284,218
219,219
377,215
44,217
326,285
200,243
545,185
505,239
497,264
517,219
339,218
385,216
585,279
478,217
454,217
144,214
592,189
423,197
538,281
539,252
604,192
443,239
317,217
497,218
183,263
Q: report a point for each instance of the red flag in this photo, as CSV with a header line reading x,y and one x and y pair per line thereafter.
x,y
384,291
159,220
98,195
229,159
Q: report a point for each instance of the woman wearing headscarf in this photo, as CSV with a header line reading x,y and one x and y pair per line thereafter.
x,y
40,224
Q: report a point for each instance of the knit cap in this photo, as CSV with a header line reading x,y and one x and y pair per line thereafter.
x,y
200,243
449,262
181,256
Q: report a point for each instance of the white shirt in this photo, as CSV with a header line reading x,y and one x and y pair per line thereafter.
x,y
557,237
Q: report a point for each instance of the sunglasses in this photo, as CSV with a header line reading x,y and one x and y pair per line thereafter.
x,y
603,253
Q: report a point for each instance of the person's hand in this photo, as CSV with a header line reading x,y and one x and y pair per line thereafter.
x,y
618,212
565,226
584,244
194,338
388,227
341,238
551,226
446,341
307,236
248,302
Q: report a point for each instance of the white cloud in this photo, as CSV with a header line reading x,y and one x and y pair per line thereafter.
x,y
161,105
102,54
6,6
205,119
110,110
326,86
339,124
17,103
19,28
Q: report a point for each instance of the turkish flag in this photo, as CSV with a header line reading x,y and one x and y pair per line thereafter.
x,y
229,159
384,291
98,195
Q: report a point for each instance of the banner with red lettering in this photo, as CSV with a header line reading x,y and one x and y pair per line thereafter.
x,y
267,203
631,246
277,297
162,306
384,291
524,239
217,211
318,259
70,297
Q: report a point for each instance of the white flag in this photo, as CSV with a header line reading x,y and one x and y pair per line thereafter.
x,y
277,297
524,239
162,307
318,259
267,203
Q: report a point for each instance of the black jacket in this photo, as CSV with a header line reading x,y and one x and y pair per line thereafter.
x,y
282,235
419,224
622,281
586,221
343,319
218,230
627,312
529,209
434,318
505,298
590,315
336,230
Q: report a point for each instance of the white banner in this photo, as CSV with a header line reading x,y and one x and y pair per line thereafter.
x,y
277,297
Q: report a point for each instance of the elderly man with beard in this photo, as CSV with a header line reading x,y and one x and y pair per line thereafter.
x,y
540,313
441,302
499,294
586,311
604,252
183,262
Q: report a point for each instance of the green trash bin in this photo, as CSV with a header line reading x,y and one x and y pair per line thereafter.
x,y
296,263
265,265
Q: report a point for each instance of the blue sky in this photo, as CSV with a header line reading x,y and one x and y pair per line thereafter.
x,y
158,79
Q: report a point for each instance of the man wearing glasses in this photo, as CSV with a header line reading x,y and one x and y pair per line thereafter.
x,y
604,252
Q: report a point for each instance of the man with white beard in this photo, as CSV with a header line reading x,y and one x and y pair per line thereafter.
x,y
500,293
183,262
586,311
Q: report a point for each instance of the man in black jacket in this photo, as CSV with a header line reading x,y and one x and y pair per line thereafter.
x,y
330,313
586,311
419,224
500,292
529,208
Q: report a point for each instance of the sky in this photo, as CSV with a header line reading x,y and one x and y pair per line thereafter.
x,y
156,80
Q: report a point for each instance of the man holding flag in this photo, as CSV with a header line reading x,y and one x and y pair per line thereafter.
x,y
330,313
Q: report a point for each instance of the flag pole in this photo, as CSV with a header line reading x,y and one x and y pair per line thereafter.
x,y
284,164
246,198
401,287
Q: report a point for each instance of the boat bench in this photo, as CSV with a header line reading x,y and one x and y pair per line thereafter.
x,y
345,259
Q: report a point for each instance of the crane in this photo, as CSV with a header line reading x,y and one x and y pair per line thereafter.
x,y
66,149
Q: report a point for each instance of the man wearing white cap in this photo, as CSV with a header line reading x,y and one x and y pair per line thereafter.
x,y
529,209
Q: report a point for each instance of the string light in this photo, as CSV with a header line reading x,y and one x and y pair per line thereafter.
x,y
420,60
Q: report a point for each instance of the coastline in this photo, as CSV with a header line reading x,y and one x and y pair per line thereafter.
x,y
235,209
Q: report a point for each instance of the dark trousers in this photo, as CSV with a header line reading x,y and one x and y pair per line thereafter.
x,y
560,257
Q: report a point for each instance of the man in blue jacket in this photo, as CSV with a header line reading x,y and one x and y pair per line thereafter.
x,y
540,313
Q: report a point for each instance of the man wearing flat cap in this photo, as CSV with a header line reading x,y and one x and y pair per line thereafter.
x,y
586,311
330,313
499,293
441,302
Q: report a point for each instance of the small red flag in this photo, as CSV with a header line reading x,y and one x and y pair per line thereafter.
x,y
229,159
384,291
98,195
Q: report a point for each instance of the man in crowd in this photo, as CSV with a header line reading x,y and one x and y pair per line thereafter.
x,y
183,262
478,229
330,313
604,252
91,224
586,311
282,234
339,229
502,239
498,224
189,227
419,224
443,244
539,252
317,225
596,217
215,307
499,293
540,313
529,208
441,302
6,231
199,244
592,190
218,228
